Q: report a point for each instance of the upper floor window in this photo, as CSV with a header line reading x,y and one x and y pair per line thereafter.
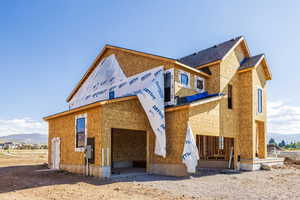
x,y
199,83
80,132
184,79
259,103
111,94
229,97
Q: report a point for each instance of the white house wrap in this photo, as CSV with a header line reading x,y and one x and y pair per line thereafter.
x,y
152,100
108,81
190,155
106,74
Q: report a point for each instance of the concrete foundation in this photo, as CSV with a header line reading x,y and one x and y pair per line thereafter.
x,y
255,164
93,170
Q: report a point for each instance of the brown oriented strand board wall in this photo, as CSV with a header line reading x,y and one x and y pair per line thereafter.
x,y
213,83
246,115
64,128
204,119
176,125
229,75
260,119
133,64
230,118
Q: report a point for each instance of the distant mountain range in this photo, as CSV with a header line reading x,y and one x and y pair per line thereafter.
x,y
286,137
34,138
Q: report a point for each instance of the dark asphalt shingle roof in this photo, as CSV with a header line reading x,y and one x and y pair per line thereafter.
x,y
250,62
209,55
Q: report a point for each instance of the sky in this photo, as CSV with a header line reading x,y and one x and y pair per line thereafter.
x,y
46,46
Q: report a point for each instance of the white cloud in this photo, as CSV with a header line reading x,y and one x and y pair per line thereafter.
x,y
282,118
22,126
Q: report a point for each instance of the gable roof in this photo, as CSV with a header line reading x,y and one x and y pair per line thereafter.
x,y
250,62
212,54
204,73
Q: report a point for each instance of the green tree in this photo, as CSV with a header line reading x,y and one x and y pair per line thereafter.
x,y
282,143
272,141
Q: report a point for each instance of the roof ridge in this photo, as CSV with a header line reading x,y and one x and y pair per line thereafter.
x,y
214,46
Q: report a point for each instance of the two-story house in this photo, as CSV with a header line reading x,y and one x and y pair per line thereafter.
x,y
220,92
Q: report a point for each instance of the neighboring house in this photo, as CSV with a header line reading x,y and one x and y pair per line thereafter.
x,y
10,145
220,91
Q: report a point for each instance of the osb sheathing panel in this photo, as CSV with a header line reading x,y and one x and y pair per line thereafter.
x,y
204,119
259,81
132,64
246,115
213,83
229,118
240,52
64,128
176,125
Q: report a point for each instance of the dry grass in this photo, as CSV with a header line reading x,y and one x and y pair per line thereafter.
x,y
19,179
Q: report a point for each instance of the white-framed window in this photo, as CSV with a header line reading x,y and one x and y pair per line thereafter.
x,y
169,86
80,132
199,84
259,100
184,79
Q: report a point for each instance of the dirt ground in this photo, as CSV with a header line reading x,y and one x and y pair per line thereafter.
x,y
19,180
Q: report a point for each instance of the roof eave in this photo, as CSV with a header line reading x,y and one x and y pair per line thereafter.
x,y
89,106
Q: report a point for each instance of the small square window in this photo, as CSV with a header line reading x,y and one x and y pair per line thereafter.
x,y
199,83
184,79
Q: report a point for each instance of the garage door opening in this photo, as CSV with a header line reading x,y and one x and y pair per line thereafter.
x,y
128,151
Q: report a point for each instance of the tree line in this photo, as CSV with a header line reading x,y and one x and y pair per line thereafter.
x,y
284,144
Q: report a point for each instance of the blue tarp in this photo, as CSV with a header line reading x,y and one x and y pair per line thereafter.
x,y
196,97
